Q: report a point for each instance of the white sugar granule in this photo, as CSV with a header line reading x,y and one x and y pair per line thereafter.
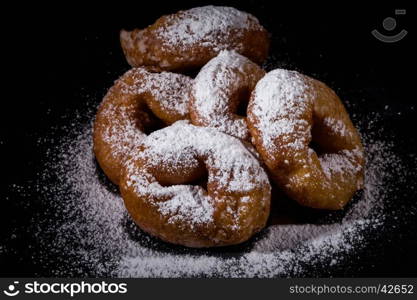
x,y
88,231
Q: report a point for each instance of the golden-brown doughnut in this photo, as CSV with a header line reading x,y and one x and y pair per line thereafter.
x,y
138,102
289,114
218,89
159,190
190,38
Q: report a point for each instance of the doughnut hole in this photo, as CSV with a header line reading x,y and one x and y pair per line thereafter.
x,y
332,129
196,174
146,120
185,170
321,140
239,102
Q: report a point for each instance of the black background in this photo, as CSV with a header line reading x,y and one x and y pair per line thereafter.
x,y
59,55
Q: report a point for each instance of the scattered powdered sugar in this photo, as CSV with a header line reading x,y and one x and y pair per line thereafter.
x,y
211,26
216,84
87,231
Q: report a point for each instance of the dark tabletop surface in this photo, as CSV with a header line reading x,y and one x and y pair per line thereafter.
x,y
59,55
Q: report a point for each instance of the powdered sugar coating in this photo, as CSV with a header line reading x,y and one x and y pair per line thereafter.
x,y
124,133
238,169
170,90
342,164
218,89
337,126
236,180
186,202
280,101
210,26
188,39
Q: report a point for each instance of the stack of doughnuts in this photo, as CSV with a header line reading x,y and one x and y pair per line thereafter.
x,y
194,158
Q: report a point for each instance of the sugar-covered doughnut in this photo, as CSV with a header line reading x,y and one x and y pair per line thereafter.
x,y
138,102
220,86
306,138
188,39
160,190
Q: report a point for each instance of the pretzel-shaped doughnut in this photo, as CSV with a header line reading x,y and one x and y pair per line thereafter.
x,y
288,112
190,38
138,101
218,89
157,187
